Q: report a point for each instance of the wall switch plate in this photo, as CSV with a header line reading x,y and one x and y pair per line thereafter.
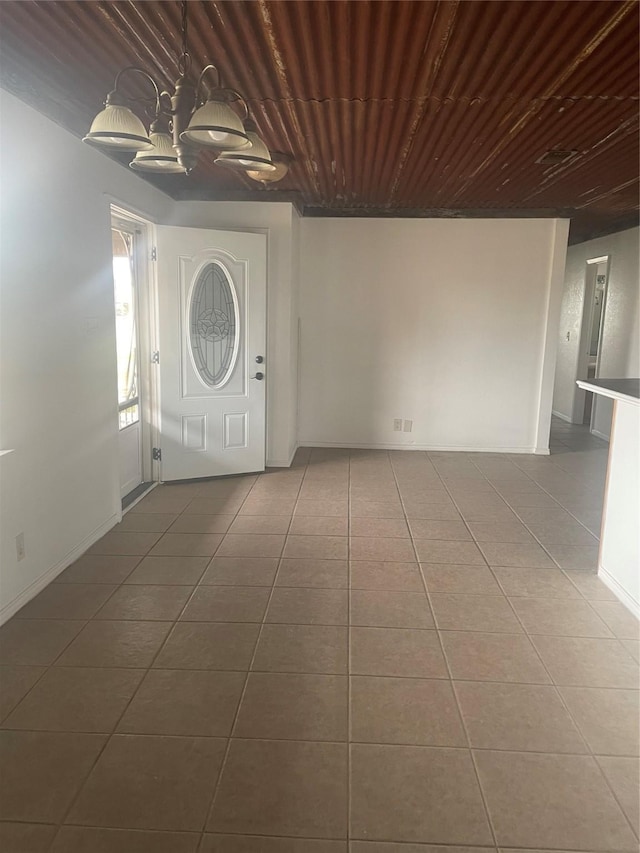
x,y
397,425
20,552
408,426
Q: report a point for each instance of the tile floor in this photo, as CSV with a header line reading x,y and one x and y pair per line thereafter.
x,y
370,652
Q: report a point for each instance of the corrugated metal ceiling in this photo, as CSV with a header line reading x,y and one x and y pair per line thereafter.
x,y
388,108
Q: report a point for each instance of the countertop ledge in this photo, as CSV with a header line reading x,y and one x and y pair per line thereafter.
x,y
618,389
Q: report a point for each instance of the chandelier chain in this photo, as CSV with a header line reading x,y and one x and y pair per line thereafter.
x,y
184,63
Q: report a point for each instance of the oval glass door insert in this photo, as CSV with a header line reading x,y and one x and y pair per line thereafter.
x,y
213,325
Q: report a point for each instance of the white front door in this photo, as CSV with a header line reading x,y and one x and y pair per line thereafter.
x,y
212,326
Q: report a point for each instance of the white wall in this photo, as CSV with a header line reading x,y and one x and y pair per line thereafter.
x,y
621,329
60,485
57,368
278,221
449,323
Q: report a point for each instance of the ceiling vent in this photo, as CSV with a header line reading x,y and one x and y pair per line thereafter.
x,y
555,157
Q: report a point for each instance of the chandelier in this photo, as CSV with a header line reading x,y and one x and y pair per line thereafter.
x,y
183,122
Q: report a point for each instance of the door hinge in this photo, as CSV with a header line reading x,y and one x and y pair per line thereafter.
x,y
154,254
155,357
156,454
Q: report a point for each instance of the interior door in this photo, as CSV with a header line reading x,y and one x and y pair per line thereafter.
x,y
212,327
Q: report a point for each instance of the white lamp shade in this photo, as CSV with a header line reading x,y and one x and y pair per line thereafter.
x,y
161,158
117,127
215,125
256,157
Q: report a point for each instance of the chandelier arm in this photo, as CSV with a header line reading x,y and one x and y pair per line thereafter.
x,y
201,78
242,100
146,75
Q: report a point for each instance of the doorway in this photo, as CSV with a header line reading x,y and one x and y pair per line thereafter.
x,y
589,357
129,240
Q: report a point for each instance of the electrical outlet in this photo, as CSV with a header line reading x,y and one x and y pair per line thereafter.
x,y
397,425
408,426
20,552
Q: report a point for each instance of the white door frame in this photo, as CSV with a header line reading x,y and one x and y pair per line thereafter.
x,y
147,332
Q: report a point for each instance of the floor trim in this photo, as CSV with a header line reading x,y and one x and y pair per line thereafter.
x,y
601,435
561,416
619,591
45,579
135,496
429,447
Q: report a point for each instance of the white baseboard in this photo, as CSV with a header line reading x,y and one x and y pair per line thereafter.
x,y
619,591
561,416
34,588
434,447
599,434
279,463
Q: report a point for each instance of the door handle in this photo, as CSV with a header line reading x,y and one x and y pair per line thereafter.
x,y
259,376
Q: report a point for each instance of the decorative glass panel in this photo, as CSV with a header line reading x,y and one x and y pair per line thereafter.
x,y
126,335
213,325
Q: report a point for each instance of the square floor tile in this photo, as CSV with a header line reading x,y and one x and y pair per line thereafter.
x,y
270,524
535,583
436,529
268,506
66,601
608,719
251,545
145,522
209,645
499,531
439,551
116,644
163,603
294,707
15,683
316,547
421,794
381,548
590,586
623,774
124,543
491,613
516,554
302,648
362,508
309,525
307,606
164,500
26,837
181,571
98,569
80,839
559,617
42,771
387,527
319,507
561,533
313,573
474,580
525,717
396,651
283,788
575,556
76,700
227,604
214,506
587,662
493,657
367,574
35,642
241,571
187,545
551,801
405,711
151,783
390,609
201,523
619,619
263,844
175,702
